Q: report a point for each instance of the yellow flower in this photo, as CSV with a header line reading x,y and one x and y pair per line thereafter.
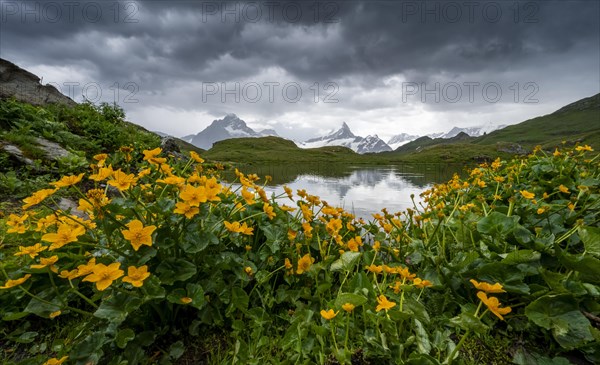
x,y
584,148
66,181
348,307
104,275
37,197
419,283
287,263
138,235
376,269
563,189
405,273
196,157
376,246
54,314
493,305
328,314
307,229
150,156
292,234
136,275
44,262
122,180
55,361
384,303
185,300
16,282
172,180
285,208
527,195
288,191
186,209
193,195
236,227
268,210
66,274
212,189
556,153
248,270
248,196
32,251
100,157
571,206
47,221
334,226
65,234
488,288
304,264
103,174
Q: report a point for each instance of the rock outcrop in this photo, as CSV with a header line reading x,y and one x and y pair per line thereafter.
x,y
24,86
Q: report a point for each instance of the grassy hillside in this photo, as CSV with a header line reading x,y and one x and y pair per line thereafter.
x,y
275,149
576,122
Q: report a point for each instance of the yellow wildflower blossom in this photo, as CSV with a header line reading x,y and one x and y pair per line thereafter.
x,y
104,275
184,208
304,264
37,197
136,275
67,181
488,288
493,305
137,234
348,307
65,234
328,314
122,180
384,303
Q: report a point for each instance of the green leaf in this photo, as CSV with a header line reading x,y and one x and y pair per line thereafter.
x,y
561,315
176,350
590,236
152,288
497,224
346,262
175,269
521,257
423,344
117,307
43,309
355,299
196,292
89,350
588,266
467,321
194,241
239,298
123,337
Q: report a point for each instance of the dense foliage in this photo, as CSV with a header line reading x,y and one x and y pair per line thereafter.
x,y
162,253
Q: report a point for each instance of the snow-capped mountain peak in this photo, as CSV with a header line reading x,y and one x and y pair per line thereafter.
x,y
345,137
229,127
401,139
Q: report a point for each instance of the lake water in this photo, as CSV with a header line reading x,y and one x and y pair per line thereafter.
x,y
358,189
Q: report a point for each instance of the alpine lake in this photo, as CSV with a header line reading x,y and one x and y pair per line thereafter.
x,y
361,190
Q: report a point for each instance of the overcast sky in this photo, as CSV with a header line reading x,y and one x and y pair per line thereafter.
x,y
304,67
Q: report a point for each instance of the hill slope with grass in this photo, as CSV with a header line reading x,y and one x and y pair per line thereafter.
x,y
275,149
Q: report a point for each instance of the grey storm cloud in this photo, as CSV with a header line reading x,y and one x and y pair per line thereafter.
x,y
167,45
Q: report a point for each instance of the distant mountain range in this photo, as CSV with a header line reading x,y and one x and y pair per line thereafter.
x,y
231,126
344,137
220,129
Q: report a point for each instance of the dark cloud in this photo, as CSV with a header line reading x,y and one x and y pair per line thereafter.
x,y
169,48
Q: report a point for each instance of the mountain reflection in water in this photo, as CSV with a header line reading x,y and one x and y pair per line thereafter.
x,y
358,189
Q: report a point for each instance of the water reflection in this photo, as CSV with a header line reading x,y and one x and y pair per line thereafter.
x,y
358,189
